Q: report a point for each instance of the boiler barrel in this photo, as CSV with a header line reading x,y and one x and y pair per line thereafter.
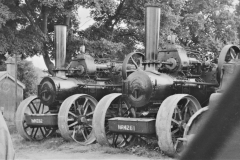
x,y
142,87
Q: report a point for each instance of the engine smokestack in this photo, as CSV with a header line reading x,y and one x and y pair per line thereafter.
x,y
152,27
60,45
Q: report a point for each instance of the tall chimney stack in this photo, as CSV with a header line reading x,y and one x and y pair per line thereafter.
x,y
60,46
11,66
152,27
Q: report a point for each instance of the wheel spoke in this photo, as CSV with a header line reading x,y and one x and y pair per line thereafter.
x,y
26,127
90,126
39,107
34,136
75,107
186,103
179,113
120,107
89,120
114,140
32,132
70,119
42,132
34,107
175,131
134,62
29,106
232,55
84,136
85,102
46,130
91,113
42,108
88,129
130,71
107,133
175,121
125,138
74,123
106,128
46,112
81,109
185,114
85,110
176,144
73,134
72,114
127,111
78,107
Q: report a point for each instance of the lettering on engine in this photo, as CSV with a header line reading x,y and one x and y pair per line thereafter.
x,y
126,127
36,120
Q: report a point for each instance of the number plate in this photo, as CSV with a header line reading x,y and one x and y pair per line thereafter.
x,y
37,120
126,127
132,125
42,120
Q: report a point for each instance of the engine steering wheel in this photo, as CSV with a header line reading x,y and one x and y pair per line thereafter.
x,y
126,65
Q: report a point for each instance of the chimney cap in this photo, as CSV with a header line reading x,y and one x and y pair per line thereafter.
x,y
152,5
10,60
60,25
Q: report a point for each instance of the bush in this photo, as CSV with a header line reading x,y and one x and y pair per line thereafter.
x,y
28,76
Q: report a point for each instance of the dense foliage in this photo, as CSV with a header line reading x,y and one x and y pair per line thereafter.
x,y
204,25
26,27
28,76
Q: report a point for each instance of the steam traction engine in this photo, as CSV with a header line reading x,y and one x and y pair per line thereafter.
x,y
67,101
228,65
158,98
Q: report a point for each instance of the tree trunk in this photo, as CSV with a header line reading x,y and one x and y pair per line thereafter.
x,y
49,64
67,21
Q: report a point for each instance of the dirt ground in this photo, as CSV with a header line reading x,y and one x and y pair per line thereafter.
x,y
57,148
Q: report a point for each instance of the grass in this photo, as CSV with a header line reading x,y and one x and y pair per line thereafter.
x,y
57,143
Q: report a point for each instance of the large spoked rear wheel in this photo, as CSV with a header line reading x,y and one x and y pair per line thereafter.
x,y
194,125
172,118
75,118
32,105
110,106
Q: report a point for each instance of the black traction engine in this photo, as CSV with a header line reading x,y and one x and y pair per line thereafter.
x,y
67,100
159,97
